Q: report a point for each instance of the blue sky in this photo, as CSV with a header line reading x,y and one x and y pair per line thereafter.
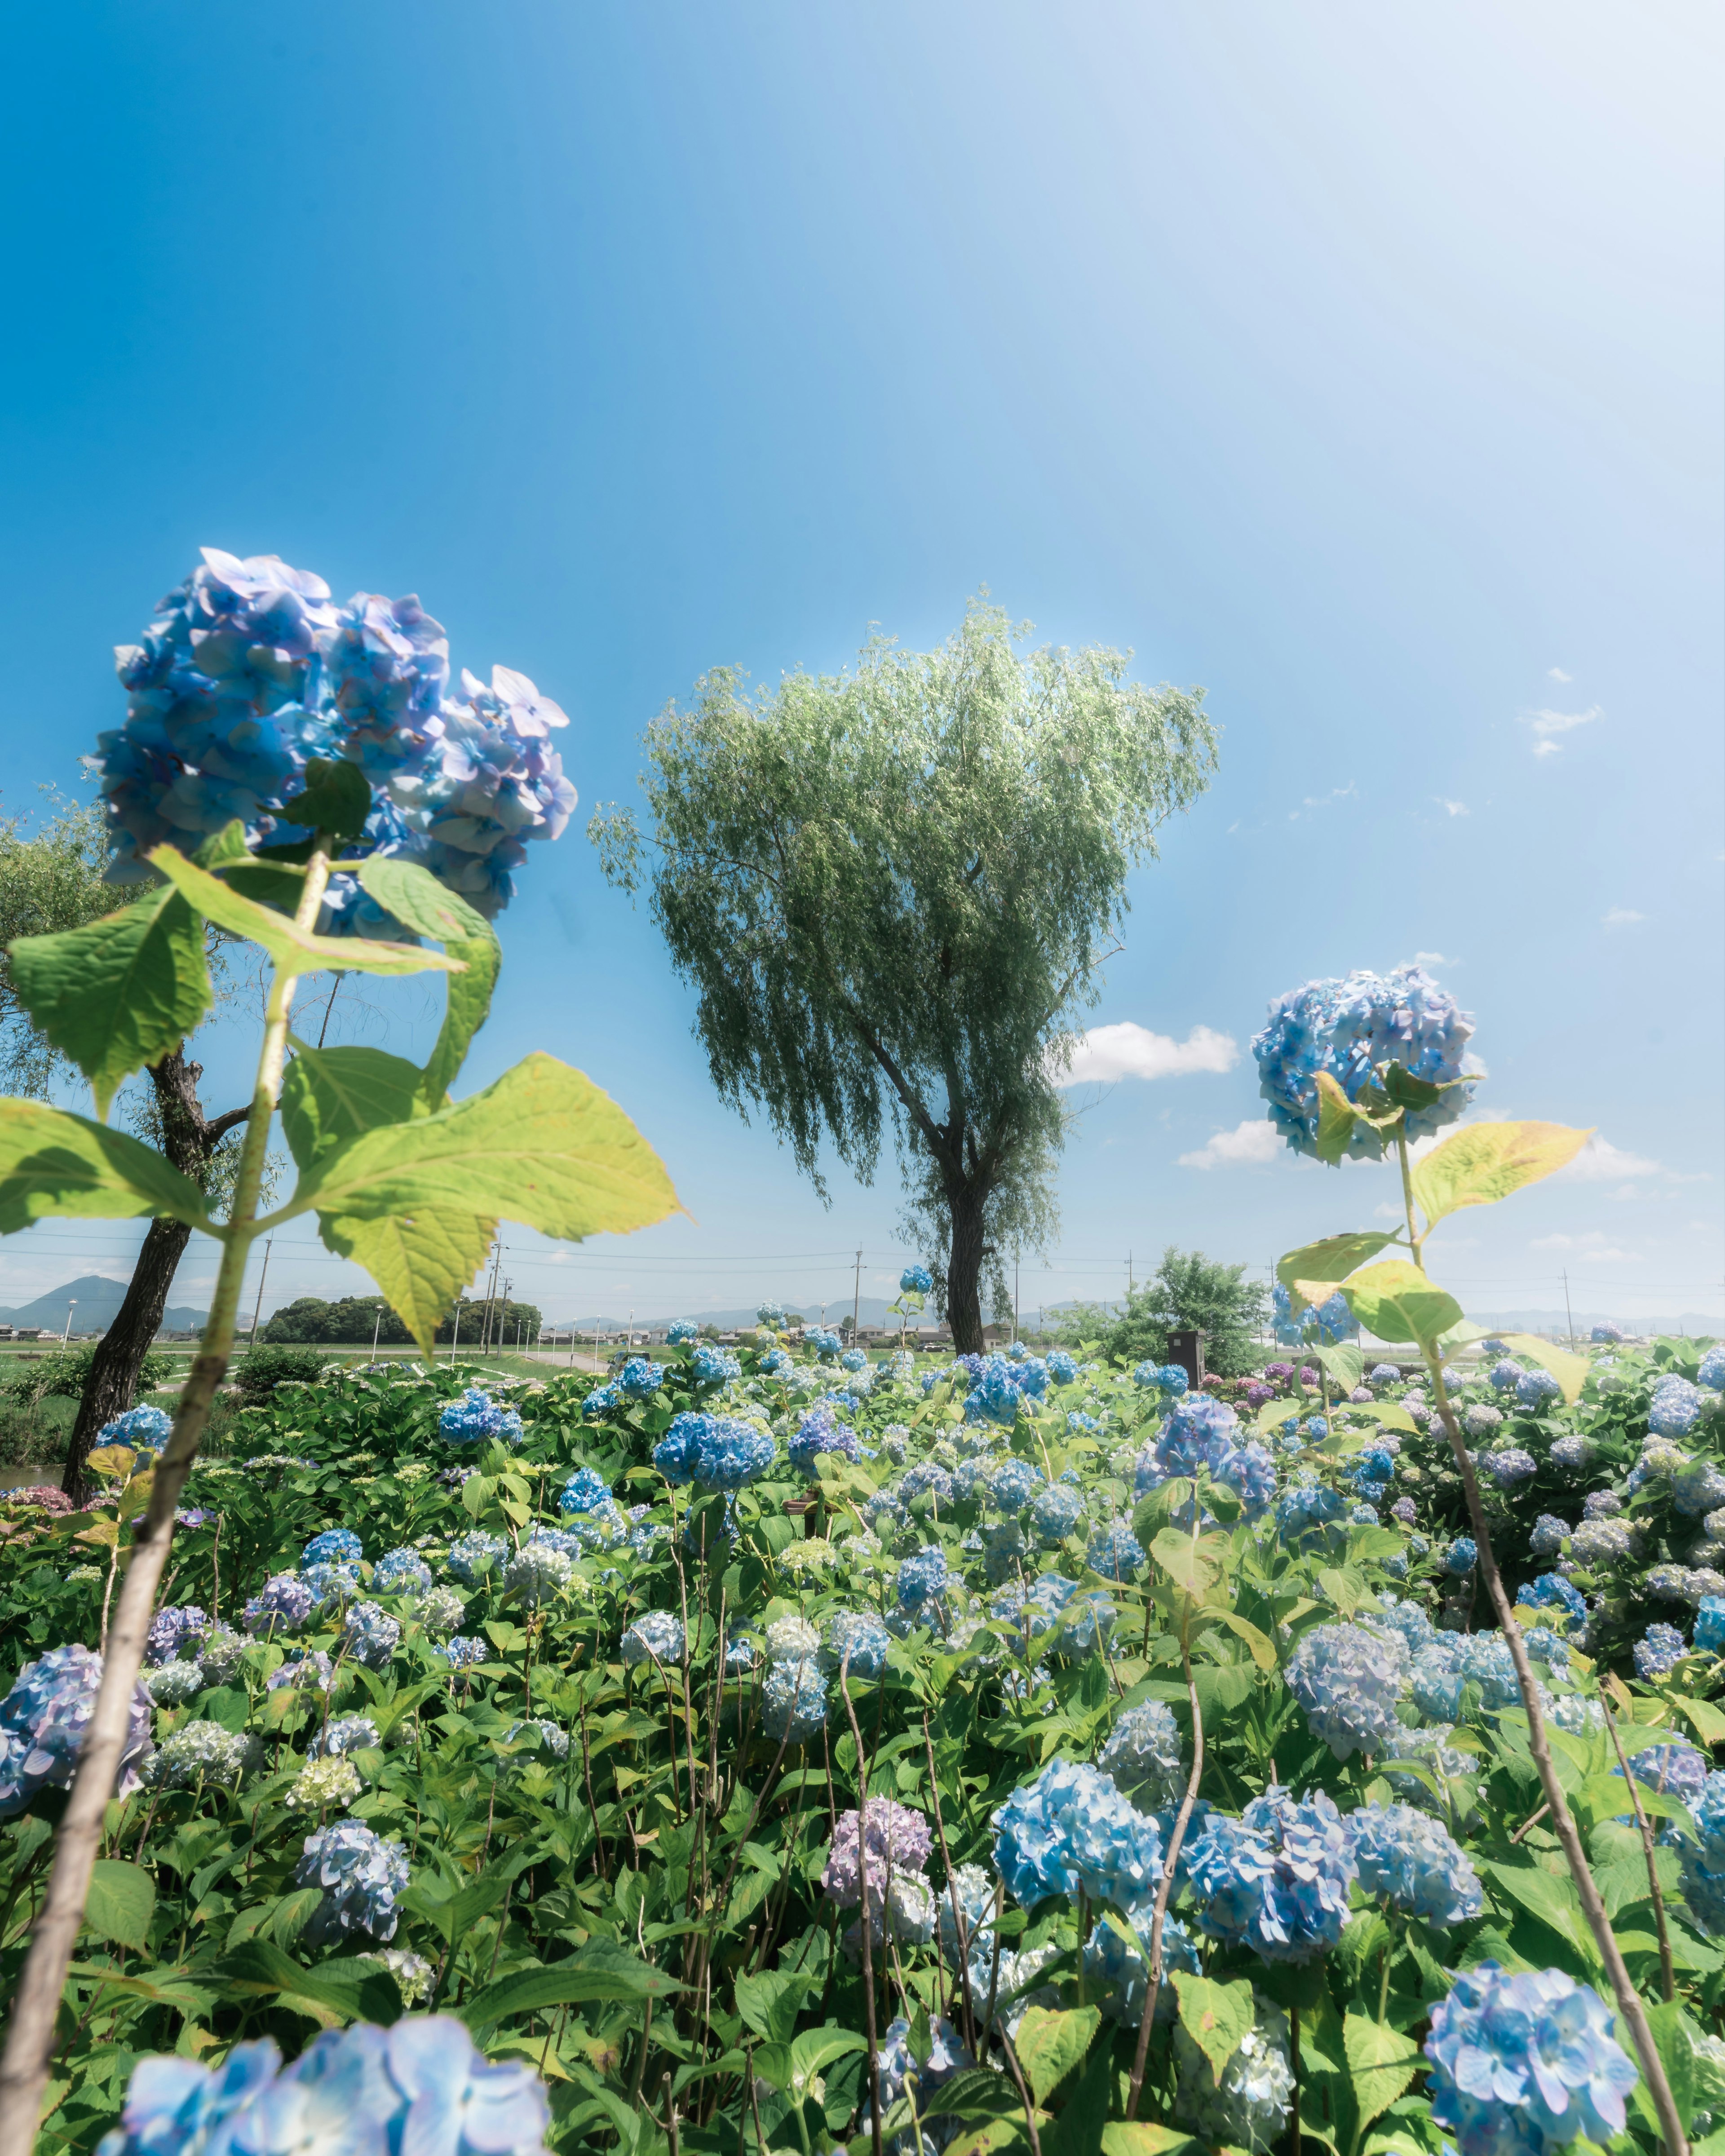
x,y
1361,366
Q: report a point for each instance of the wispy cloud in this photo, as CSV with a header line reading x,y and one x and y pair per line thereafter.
x,y
1557,674
1248,1145
1547,724
1126,1050
1594,1248
1434,958
1599,1161
1620,917
1348,793
1451,807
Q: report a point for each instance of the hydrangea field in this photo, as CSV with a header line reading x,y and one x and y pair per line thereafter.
x,y
549,1713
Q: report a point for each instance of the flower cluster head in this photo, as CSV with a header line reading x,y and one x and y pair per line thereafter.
x,y
402,1572
1676,1768
1116,1552
537,1572
916,1280
420,2086
825,1343
462,1652
1658,1652
1250,2108
1001,1387
714,1452
321,1784
1461,1557
201,1754
144,1428
1310,1516
370,1634
1014,1483
714,1366
923,1579
1277,1879
682,1330
856,1641
474,1555
1674,1408
1072,1828
820,1431
474,1417
361,1875
1350,1028
794,1701
1054,1512
1348,1677
1406,1858
1710,1625
1142,1756
894,1844
658,1636
1525,2063
172,1631
584,1491
282,1604
1600,1540
334,1546
1325,1323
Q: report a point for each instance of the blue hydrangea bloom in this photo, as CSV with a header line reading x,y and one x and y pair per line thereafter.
x,y
1087,1620
1310,1516
1014,1483
402,1572
600,1401
1504,1376
461,1652
1549,1535
825,1343
172,1631
370,1634
334,1546
1054,1512
474,1554
1710,1625
1510,1467
1406,1858
1062,1367
1461,1557
1348,1678
821,1431
474,1417
361,1875
1385,1374
1525,2063
1325,1323
328,1584
681,1330
1143,1755
1349,1028
1116,1552
856,1639
1435,1679
772,1315
714,1366
43,1719
1551,1591
926,1478
145,1428
585,1489
916,1280
714,1452
793,1703
1277,1878
1674,1408
1115,1969
853,1358
1711,1371
1677,1767
1658,1652
640,1376
1072,1827
281,1604
923,1579
656,1637
998,1394
1534,1388
776,1362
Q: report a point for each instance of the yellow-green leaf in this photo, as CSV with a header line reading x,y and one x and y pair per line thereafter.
x,y
330,1095
1336,1120
417,900
1050,2044
1382,2063
1704,1717
1262,1652
1569,1370
417,1263
52,1162
1199,1565
294,950
1311,1274
1136,2136
1481,1162
120,991
1397,1301
1216,2016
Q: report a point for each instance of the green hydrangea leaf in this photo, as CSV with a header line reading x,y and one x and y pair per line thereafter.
x,y
1484,1162
120,991
52,1162
337,799
1325,1265
417,1263
330,1095
420,902
1218,2017
1396,1301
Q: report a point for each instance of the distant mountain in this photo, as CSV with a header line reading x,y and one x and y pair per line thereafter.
x,y
97,1299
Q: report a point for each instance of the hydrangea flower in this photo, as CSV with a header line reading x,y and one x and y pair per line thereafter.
x,y
462,1653
1674,1408
314,1671
328,1584
1327,1322
43,1719
1406,1858
1510,1467
1348,1678
1349,1028
171,1630
1072,1828
1525,2062
1062,1367
402,1572
474,1417
1569,1454
658,1636
1251,2109
200,1752
174,1684
711,1365
361,1875
370,1634
820,1431
282,1604
537,1572
1504,1376
1054,1512
826,1344
345,1733
1116,1552
794,1701
1277,1878
856,1640
895,2066
474,1555
895,1842
1710,1625
1658,1652
323,1783
1711,1371
1534,1388
927,1478
420,2086
1310,1516
923,1579
1697,1488
1597,1541
544,1736
1014,1483
916,1280
1548,1536
1142,1756
144,1428
1113,1967
714,1452
1677,1767
334,1546
1426,1747
791,1638
1000,1391
1461,1557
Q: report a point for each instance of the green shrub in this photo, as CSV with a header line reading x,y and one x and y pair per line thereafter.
x,y
63,1373
259,1373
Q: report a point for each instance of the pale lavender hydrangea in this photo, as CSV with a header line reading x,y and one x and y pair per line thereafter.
x,y
282,1604
1348,1678
43,1719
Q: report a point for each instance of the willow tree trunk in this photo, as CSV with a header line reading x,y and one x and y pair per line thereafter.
x,y
964,1271
188,1140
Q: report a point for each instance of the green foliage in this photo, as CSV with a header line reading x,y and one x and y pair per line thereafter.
x,y
892,889
261,1370
1188,1289
63,1373
50,882
351,1321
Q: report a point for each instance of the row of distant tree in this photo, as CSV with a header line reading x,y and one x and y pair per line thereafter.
x,y
1187,1290
356,1320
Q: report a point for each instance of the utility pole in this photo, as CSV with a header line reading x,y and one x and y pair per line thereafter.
x,y
67,1334
631,1332
1569,1314
257,1307
1015,1295
856,1302
491,1297
376,1328
455,1338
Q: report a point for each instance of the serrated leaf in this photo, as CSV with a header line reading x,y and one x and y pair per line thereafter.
x,y
600,1973
1396,1300
120,991
417,1264
52,1162
121,1902
1704,1717
1381,2060
330,1095
1199,1565
1050,2044
1345,1364
1569,1370
1482,1162
1335,1119
1553,1901
295,951
817,2048
1262,1651
1326,1264
770,2002
1216,2016
420,902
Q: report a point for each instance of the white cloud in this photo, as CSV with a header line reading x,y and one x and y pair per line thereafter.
x,y
1247,1145
1595,1247
1620,917
1557,674
1434,958
1547,724
1108,1052
1454,808
1599,1161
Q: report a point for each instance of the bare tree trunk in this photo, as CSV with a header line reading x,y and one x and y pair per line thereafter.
x,y
964,1268
188,1141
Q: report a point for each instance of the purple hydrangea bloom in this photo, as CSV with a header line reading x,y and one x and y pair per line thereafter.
x,y
1348,1028
282,1604
1277,1878
1511,1466
1408,1858
821,1431
1525,2062
1658,1652
895,1843
43,1719
171,1631
1072,1828
1677,1767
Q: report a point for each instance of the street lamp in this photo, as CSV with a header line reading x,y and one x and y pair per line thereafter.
x,y
67,1334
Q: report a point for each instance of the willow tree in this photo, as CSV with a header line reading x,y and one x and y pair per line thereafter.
x,y
892,889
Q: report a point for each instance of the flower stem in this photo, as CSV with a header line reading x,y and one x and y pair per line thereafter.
x,y
1562,1821
1668,1981
29,2041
